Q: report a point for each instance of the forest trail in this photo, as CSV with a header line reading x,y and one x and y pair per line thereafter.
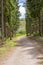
x,y
26,53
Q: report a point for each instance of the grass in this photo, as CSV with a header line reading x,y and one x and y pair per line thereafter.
x,y
40,38
18,35
7,47
9,43
3,50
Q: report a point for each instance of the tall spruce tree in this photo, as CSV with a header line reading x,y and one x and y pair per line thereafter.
x,y
9,17
34,11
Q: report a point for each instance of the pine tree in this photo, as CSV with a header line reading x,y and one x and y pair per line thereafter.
x,y
34,11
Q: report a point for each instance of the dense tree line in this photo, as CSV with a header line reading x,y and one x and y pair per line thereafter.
x,y
9,17
0,14
34,17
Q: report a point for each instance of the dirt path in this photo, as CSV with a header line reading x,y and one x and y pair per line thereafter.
x,y
26,53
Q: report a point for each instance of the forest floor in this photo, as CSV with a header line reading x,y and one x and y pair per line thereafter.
x,y
29,51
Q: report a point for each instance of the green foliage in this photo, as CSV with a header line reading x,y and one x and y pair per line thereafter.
x,y
22,32
10,43
34,16
14,15
11,17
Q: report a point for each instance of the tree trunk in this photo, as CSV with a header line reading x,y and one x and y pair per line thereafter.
x,y
40,23
2,21
10,35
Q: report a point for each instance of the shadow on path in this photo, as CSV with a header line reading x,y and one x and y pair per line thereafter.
x,y
28,52
32,47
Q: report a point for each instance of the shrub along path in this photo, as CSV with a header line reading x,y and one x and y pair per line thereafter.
x,y
27,52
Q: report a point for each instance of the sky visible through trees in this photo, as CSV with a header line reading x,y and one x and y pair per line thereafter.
x,y
22,8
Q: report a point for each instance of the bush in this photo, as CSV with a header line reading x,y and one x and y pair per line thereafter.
x,y
22,32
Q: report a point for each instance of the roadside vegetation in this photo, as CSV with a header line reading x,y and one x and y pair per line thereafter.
x,y
9,44
12,27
